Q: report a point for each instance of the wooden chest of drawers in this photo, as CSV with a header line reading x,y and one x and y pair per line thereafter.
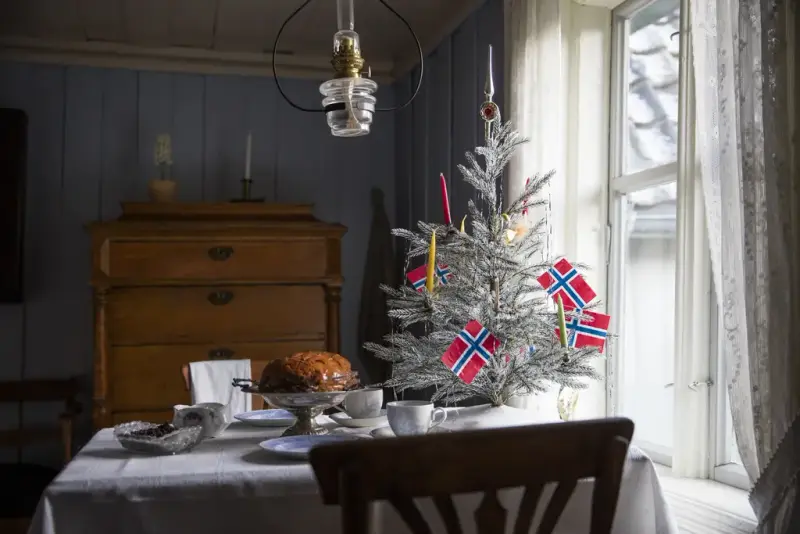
x,y
186,282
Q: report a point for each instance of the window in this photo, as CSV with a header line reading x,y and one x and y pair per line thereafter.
x,y
644,218
651,136
658,370
648,243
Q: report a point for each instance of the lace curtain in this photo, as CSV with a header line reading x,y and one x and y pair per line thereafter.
x,y
744,59
535,87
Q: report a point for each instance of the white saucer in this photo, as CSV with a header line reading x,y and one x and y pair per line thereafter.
x,y
267,418
298,447
387,432
350,422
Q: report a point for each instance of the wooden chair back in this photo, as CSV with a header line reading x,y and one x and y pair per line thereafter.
x,y
445,464
21,478
255,371
21,391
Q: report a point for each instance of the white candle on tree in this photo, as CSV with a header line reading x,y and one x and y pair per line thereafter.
x,y
248,155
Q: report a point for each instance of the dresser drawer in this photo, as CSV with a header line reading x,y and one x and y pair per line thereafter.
x,y
149,378
152,316
275,259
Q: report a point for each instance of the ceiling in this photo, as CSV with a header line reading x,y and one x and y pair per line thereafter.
x,y
218,36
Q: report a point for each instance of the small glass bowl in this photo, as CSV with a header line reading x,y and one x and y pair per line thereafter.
x,y
176,442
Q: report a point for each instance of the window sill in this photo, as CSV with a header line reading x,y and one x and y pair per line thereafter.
x,y
706,506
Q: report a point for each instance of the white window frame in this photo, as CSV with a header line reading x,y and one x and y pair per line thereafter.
x,y
621,184
697,351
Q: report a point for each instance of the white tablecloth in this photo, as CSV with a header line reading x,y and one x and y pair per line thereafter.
x,y
229,484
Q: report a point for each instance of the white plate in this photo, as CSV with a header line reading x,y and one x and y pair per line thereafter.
x,y
350,422
267,418
387,432
298,447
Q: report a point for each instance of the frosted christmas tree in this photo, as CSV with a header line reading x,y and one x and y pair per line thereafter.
x,y
499,317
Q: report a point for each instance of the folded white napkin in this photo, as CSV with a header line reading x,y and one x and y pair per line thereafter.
x,y
212,382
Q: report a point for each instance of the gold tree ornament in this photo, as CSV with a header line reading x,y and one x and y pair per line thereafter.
x,y
520,228
510,232
514,229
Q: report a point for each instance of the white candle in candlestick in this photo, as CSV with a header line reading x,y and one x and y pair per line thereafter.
x,y
248,155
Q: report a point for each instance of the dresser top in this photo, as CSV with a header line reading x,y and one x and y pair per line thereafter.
x,y
224,210
220,217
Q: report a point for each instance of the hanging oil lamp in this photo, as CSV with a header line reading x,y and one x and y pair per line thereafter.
x,y
349,101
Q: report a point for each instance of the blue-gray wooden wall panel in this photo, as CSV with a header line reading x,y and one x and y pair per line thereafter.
x,y
91,137
444,123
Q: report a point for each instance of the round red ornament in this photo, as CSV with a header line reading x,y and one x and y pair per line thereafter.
x,y
489,111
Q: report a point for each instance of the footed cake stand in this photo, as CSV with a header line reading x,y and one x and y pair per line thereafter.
x,y
304,406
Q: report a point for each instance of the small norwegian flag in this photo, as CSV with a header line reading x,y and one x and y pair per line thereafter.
x,y
563,279
417,276
443,273
470,351
588,329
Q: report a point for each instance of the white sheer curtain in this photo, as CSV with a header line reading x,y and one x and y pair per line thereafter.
x,y
744,63
535,103
535,87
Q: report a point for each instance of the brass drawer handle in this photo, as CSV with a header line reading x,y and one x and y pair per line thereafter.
x,y
220,298
220,253
220,354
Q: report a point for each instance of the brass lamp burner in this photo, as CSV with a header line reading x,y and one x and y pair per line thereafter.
x,y
347,61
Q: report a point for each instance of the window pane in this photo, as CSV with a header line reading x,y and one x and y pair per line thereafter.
x,y
647,338
652,98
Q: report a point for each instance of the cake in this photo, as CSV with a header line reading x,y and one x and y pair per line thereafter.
x,y
310,371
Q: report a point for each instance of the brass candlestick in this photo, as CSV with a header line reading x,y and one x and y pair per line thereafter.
x,y
247,184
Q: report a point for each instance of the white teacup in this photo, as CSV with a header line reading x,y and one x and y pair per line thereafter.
x,y
210,415
413,418
364,403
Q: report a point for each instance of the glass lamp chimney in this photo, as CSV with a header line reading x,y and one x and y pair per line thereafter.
x,y
345,19
348,97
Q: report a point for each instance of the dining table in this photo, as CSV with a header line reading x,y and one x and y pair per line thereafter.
x,y
231,484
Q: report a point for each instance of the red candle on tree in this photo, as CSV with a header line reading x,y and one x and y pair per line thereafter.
x,y
445,201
